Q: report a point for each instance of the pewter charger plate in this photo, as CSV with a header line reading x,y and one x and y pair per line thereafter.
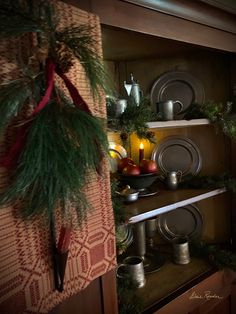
x,y
176,153
184,221
177,85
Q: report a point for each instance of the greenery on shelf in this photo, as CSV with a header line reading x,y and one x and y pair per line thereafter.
x,y
117,203
207,182
216,255
134,120
128,301
218,113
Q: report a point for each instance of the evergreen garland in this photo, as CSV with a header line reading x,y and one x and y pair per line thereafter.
x,y
218,113
134,120
216,255
128,301
208,182
117,203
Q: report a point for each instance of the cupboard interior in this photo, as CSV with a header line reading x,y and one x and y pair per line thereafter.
x,y
147,57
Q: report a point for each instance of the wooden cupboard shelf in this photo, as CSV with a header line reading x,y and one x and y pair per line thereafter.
x,y
171,280
164,201
177,123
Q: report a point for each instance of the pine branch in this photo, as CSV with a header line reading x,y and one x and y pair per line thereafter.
x,y
53,166
117,204
12,98
16,19
80,42
218,114
134,120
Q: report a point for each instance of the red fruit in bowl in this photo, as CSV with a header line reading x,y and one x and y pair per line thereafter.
x,y
148,166
123,162
131,170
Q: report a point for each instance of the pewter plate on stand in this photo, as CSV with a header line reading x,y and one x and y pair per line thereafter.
x,y
184,221
177,153
116,152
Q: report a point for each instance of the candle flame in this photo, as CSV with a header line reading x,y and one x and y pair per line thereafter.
x,y
141,146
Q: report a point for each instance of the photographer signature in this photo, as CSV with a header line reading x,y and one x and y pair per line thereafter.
x,y
208,295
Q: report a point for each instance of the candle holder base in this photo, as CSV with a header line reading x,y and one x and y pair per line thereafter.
x,y
153,261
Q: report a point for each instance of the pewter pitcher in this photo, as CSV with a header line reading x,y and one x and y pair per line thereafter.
x,y
133,90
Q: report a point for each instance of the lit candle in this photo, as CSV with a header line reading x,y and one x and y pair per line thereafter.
x,y
141,152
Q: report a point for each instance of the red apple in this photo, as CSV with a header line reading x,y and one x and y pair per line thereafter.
x,y
123,162
131,170
148,166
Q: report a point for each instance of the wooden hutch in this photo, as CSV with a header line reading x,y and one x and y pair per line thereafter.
x,y
147,38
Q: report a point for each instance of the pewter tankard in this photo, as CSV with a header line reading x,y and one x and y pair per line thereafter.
x,y
172,179
166,109
132,266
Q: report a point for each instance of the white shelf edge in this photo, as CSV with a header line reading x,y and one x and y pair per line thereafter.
x,y
167,208
177,123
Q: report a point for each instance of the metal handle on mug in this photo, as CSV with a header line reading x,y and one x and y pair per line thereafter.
x,y
120,266
179,174
181,106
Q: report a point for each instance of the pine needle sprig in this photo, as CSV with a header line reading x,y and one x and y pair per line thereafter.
x,y
117,204
218,113
135,118
216,255
53,166
13,96
80,42
210,182
16,19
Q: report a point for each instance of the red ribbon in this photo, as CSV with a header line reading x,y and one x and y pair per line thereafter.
x,y
11,158
77,99
50,72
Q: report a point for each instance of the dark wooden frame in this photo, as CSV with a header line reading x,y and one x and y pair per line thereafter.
x,y
99,297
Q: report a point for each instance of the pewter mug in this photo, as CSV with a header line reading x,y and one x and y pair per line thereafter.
x,y
167,109
132,266
181,250
120,106
172,179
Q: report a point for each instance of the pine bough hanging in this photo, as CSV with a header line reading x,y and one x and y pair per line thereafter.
x,y
61,140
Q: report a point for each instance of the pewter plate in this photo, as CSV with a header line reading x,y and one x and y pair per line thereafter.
x,y
116,152
184,221
176,153
124,235
177,85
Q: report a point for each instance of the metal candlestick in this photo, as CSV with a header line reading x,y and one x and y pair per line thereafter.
x,y
150,228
